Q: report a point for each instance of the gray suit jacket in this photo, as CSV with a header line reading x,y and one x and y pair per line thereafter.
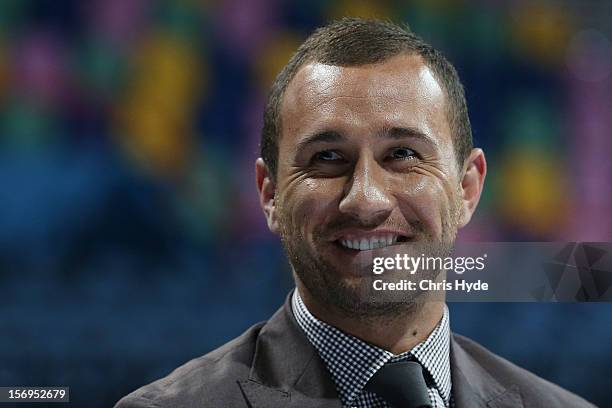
x,y
273,365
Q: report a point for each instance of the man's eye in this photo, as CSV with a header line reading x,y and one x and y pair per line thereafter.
x,y
327,155
402,153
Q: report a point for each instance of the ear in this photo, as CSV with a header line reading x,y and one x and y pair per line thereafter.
x,y
472,181
267,192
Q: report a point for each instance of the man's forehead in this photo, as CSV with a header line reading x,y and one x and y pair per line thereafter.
x,y
400,92
401,77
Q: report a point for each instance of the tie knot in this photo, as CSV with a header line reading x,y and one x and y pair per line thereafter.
x,y
401,384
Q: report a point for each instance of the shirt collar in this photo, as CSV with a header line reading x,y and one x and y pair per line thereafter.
x,y
352,361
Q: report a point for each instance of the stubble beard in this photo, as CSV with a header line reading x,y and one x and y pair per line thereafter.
x,y
349,298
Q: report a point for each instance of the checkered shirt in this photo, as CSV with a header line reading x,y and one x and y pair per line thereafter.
x,y
352,362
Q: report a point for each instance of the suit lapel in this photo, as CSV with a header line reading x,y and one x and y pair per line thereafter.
x,y
473,386
286,370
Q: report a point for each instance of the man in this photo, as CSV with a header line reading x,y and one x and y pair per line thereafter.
x,y
366,147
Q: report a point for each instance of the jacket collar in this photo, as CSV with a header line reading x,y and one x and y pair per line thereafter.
x,y
473,386
288,372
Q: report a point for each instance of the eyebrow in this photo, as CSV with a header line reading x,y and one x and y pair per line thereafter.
x,y
321,137
398,133
395,133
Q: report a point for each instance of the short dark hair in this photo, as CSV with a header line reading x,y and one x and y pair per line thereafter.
x,y
355,41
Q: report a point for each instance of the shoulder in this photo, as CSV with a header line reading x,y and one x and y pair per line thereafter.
x,y
209,380
534,390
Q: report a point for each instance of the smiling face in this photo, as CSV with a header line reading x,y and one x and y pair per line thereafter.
x,y
365,160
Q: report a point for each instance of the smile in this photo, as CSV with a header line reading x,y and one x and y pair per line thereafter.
x,y
371,242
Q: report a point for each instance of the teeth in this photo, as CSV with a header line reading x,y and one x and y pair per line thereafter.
x,y
376,243
365,244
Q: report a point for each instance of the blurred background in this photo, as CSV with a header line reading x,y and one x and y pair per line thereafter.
x,y
131,239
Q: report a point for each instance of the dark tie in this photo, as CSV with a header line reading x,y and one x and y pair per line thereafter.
x,y
401,384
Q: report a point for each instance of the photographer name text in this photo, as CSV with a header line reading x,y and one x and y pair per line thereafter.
x,y
430,285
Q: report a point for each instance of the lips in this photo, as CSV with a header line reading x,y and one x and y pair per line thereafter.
x,y
367,240
367,243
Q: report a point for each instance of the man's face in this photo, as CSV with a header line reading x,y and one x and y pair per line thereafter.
x,y
365,160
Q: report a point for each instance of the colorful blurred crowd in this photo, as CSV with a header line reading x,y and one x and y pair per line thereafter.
x,y
129,130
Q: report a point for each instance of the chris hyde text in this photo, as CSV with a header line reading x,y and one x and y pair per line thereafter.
x,y
431,285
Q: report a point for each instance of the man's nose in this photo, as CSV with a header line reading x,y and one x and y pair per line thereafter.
x,y
367,197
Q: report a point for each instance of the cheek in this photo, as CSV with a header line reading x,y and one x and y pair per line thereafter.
x,y
426,198
310,203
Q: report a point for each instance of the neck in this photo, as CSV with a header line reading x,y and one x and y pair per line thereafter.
x,y
397,334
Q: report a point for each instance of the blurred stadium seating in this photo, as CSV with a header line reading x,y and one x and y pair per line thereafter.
x,y
131,239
